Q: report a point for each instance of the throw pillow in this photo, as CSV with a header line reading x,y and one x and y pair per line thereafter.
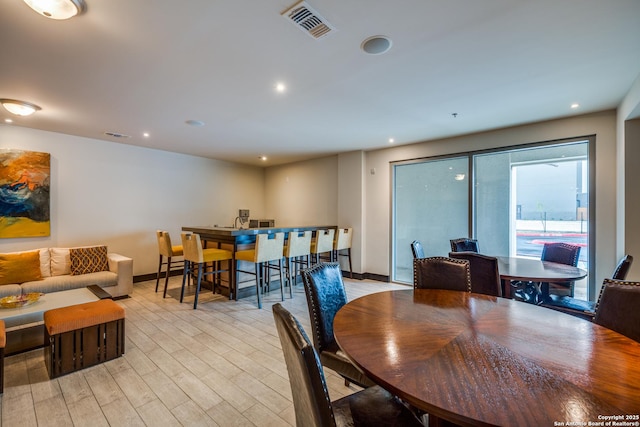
x,y
88,260
60,262
20,267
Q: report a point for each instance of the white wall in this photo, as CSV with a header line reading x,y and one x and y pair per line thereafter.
x,y
603,125
303,193
118,195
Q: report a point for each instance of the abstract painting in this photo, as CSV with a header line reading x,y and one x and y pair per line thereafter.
x,y
24,194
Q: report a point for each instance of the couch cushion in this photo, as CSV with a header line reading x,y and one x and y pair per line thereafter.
x,y
88,260
104,279
20,267
8,290
60,263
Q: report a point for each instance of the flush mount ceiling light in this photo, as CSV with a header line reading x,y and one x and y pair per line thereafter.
x,y
376,45
19,108
57,9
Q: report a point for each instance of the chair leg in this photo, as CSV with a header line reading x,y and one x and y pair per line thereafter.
x,y
166,279
281,281
258,283
350,265
185,273
195,301
159,270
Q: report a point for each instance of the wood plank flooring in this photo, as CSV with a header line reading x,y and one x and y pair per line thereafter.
x,y
219,365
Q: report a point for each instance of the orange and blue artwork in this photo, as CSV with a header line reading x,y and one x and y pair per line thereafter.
x,y
24,194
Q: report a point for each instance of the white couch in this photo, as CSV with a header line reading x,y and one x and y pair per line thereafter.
x,y
55,268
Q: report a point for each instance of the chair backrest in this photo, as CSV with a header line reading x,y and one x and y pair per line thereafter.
x,y
622,268
298,244
464,245
164,243
485,278
269,247
325,293
618,307
441,273
343,239
192,247
311,400
324,240
417,250
562,253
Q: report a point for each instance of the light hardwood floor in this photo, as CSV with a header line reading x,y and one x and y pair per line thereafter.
x,y
219,365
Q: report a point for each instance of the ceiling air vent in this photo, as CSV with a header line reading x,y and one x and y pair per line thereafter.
x,y
117,135
308,20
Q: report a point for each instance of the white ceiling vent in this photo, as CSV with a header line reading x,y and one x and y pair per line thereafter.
x,y
308,20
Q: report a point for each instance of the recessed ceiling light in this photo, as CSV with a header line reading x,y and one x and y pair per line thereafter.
x,y
263,158
57,9
146,134
280,87
391,140
194,123
574,106
376,45
8,121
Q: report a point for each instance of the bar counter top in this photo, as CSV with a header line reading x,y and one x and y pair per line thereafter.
x,y
244,235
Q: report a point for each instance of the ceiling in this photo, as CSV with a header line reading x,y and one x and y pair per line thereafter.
x,y
135,66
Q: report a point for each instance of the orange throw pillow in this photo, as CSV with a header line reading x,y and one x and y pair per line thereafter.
x,y
19,268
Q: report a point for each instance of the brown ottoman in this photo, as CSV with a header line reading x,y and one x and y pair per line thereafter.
x,y
82,335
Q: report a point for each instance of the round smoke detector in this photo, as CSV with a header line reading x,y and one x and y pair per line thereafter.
x,y
376,45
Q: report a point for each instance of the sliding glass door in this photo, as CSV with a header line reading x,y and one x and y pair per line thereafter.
x,y
520,198
431,205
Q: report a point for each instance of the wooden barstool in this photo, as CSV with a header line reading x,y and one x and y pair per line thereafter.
x,y
342,242
195,254
166,249
268,248
296,253
322,243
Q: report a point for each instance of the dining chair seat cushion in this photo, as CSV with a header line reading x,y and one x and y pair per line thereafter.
x,y
176,250
373,406
213,254
246,255
340,363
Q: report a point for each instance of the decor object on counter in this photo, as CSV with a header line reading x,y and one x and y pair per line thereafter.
x,y
24,194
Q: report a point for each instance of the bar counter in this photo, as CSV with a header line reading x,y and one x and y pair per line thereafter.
x,y
233,239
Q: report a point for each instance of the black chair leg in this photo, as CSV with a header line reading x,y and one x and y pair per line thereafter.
x,y
158,275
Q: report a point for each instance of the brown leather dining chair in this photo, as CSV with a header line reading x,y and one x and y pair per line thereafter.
x,y
373,406
464,244
562,253
485,278
582,308
324,289
417,250
618,307
622,269
441,273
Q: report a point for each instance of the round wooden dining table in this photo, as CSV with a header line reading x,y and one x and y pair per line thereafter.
x,y
475,359
535,270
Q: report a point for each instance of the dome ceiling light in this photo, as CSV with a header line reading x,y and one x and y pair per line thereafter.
x,y
19,108
57,9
